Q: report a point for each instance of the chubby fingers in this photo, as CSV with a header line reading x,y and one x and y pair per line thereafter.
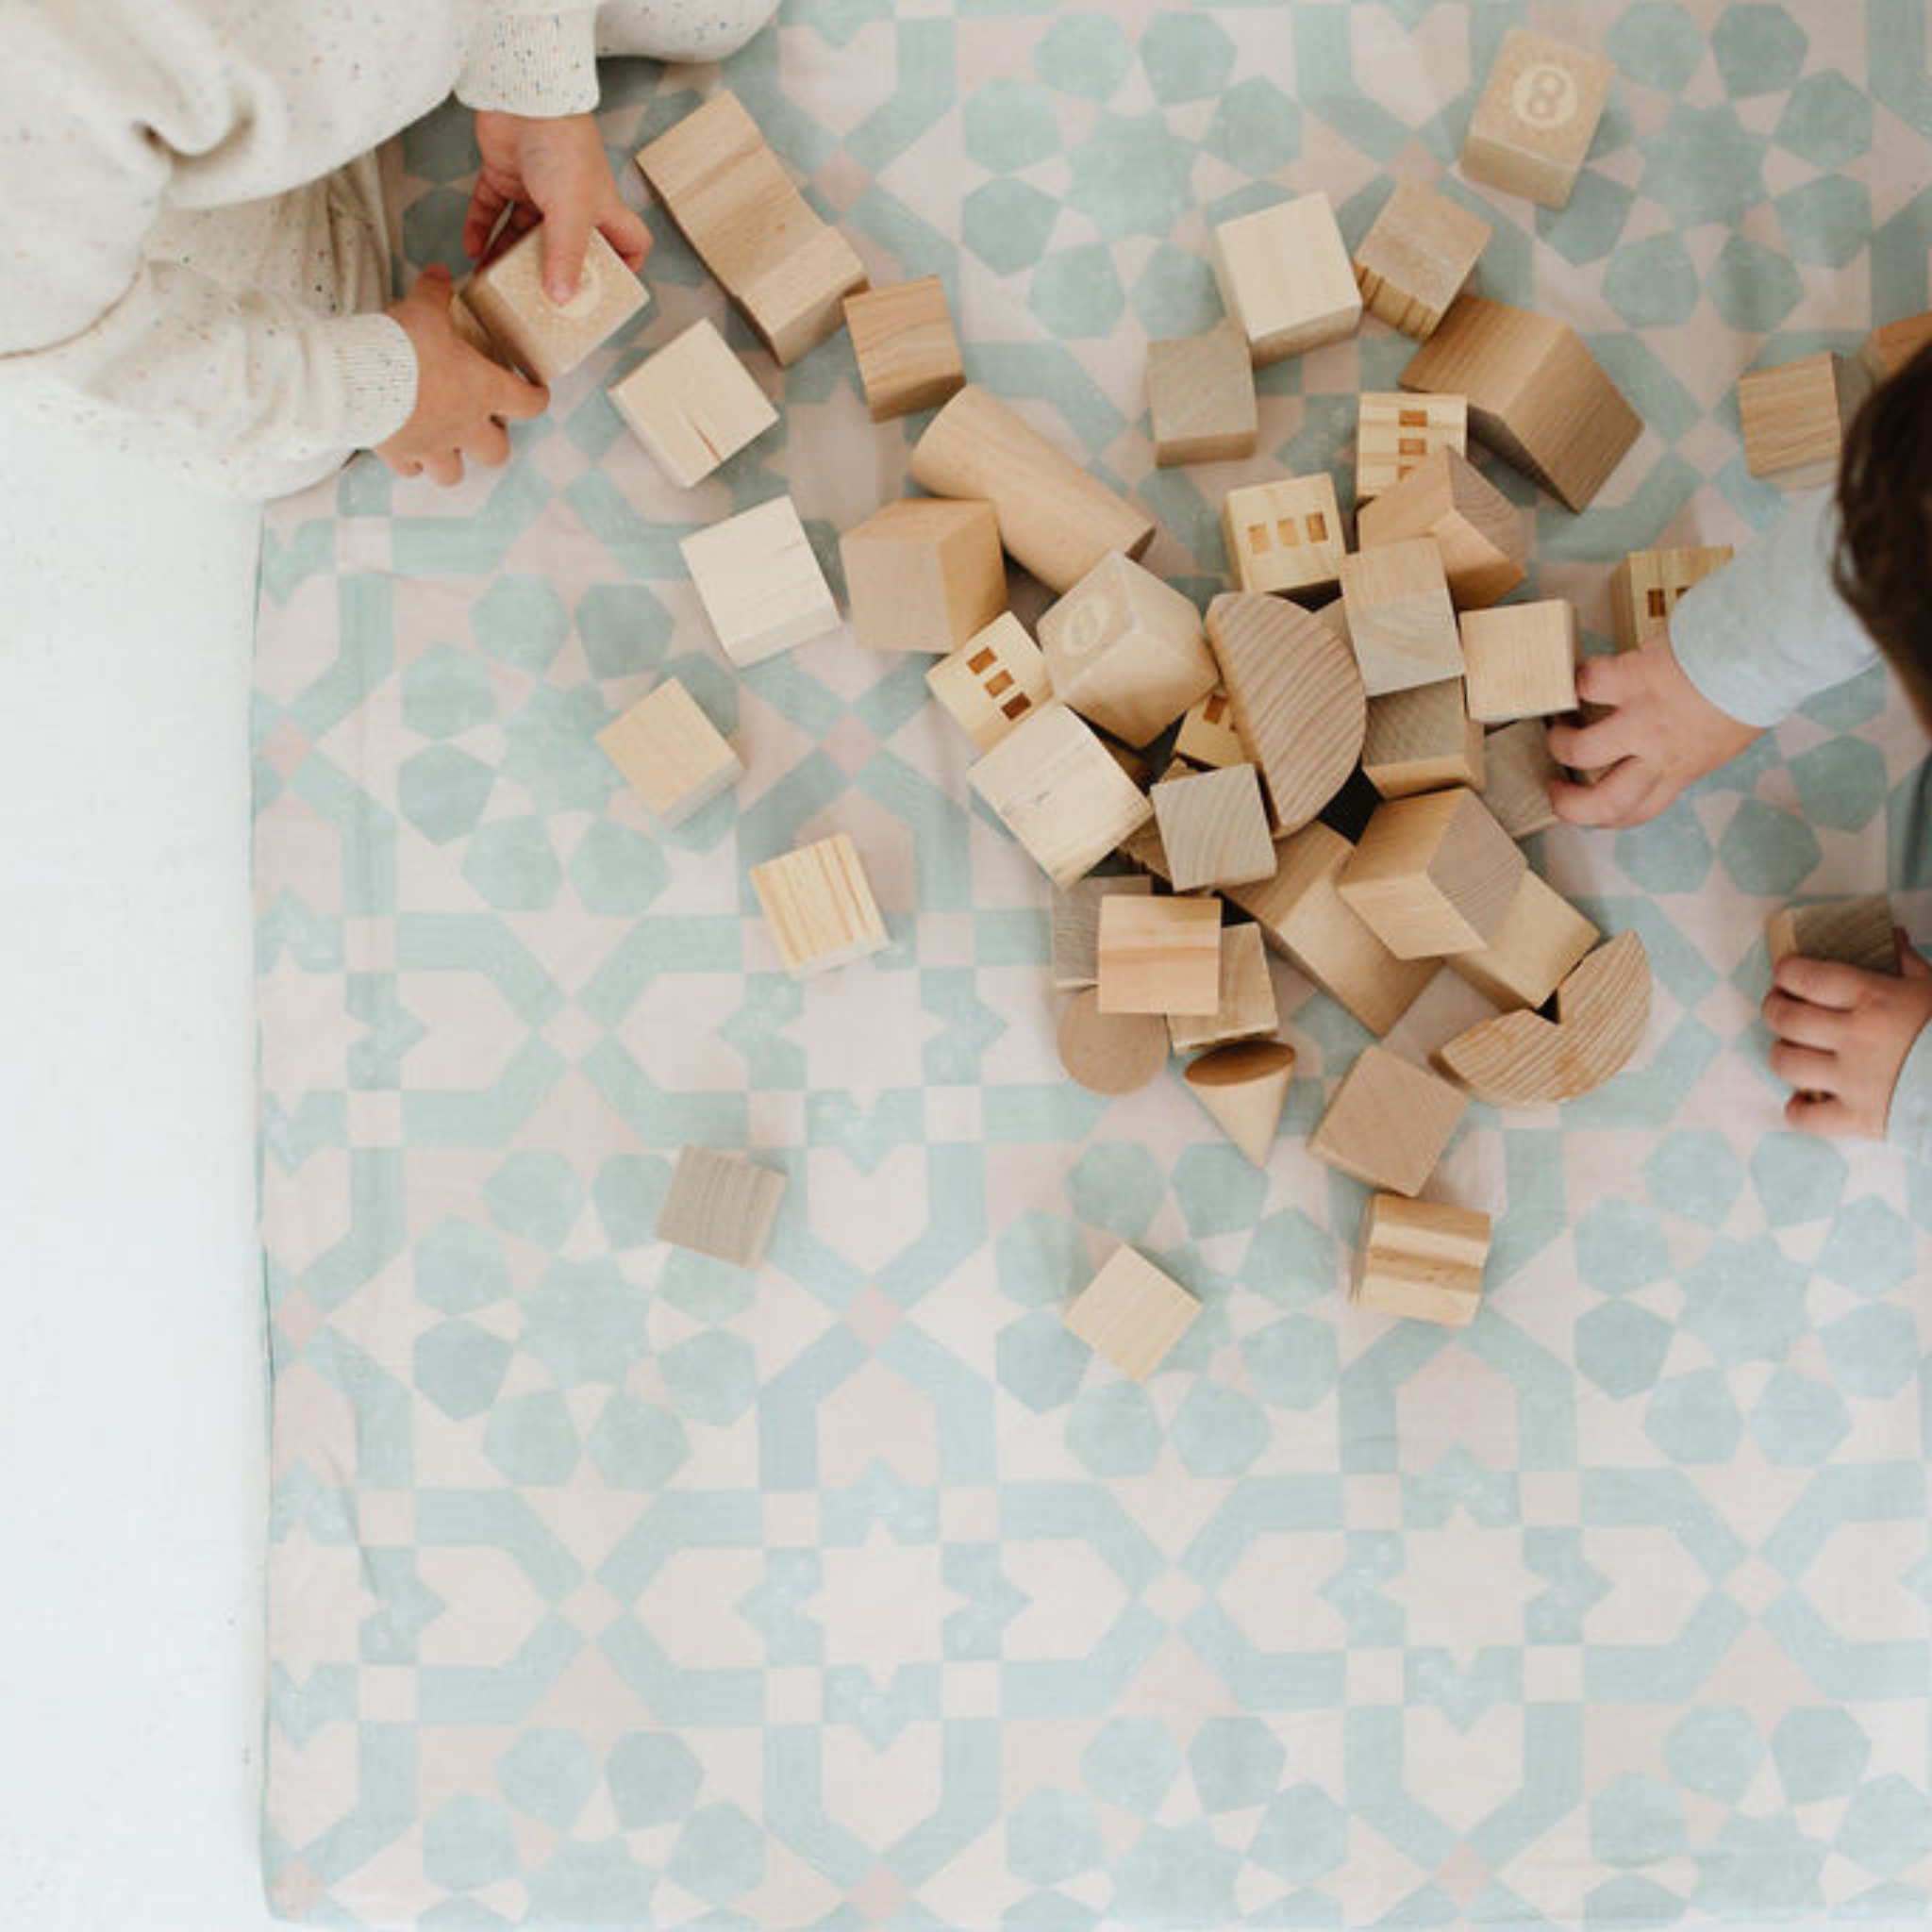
x,y
1626,794
1805,1068
626,230
512,399
1802,1023
1822,1113
1822,982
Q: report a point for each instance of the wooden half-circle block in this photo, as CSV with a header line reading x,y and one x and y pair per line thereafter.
x,y
1297,696
1244,1086
1521,1059
1110,1053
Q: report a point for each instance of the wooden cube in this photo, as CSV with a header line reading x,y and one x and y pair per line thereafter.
x,y
1519,659
1893,344
1422,740
1125,650
1796,414
1285,277
924,573
1051,784
1517,769
1132,1314
1158,956
1284,535
1537,117
1433,875
1208,735
1421,1261
1214,828
760,581
693,404
545,339
1201,397
1387,1123
1477,529
1395,434
1246,1008
1417,255
1075,925
1854,932
673,756
1645,586
907,351
721,1205
1541,940
992,680
1400,617
820,907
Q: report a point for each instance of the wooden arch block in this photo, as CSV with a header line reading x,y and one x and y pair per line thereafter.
x,y
1537,117
991,682
693,404
924,573
1285,277
1421,1261
908,351
1417,255
1387,1123
545,339
1433,875
1245,1088
1132,1314
1478,530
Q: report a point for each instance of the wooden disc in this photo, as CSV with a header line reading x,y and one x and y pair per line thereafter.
x,y
1110,1053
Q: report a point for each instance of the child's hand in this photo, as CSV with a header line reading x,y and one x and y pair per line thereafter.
x,y
553,171
1662,734
1843,1036
463,398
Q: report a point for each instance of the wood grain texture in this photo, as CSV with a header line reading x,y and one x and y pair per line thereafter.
x,y
1517,769
1396,596
692,404
905,345
1419,252
1208,735
1893,344
1131,1313
1519,659
1110,1053
1214,828
819,905
721,1205
1795,415
544,339
1854,932
1479,532
1285,277
1395,434
1387,1122
924,573
991,682
671,755
760,581
1422,740
1433,875
1074,920
1158,956
1246,1008
1201,402
1421,1261
1537,117
1645,586
1542,939
1287,535
1244,1086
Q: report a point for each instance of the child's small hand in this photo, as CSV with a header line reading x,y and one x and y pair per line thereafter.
x,y
1844,1034
1662,734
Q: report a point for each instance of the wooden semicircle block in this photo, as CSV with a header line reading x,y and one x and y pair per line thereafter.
x,y
1245,1088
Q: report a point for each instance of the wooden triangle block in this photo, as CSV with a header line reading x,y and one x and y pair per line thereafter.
x,y
1245,1088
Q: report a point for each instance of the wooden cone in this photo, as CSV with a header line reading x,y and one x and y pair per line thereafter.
x,y
1243,1087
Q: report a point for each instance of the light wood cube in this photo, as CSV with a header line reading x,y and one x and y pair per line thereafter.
x,y
672,755
924,573
1517,769
1477,529
760,581
1075,925
1285,277
1795,417
908,350
1645,586
693,404
992,680
1214,828
1433,875
819,905
1519,659
1201,397
1417,255
1395,434
1541,940
1245,1009
545,339
1387,1123
1421,1261
1131,1313
1854,932
721,1205
1537,117
1284,535
1396,596
1158,956
1423,740
1208,735
1893,344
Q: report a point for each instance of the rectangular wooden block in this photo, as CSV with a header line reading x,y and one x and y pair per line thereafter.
x,y
1541,938
1478,530
992,680
924,573
1395,434
1403,625
1387,1123
1417,255
1855,932
907,349
1246,1007
672,755
721,1205
1287,535
1201,397
1422,740
1517,769
1208,735
1893,344
1433,875
1285,277
693,404
544,339
1214,828
1158,956
1795,416
819,905
1421,1261
1537,117
1077,925
1131,1313
760,581
1645,586
1520,659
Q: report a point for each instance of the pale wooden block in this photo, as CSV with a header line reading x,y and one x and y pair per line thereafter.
x,y
1423,740
1477,529
1158,956
1214,828
671,755
1285,277
721,1205
1208,735
1517,769
1284,535
1645,586
693,404
1433,875
1244,1086
760,581
1795,416
819,905
1854,932
1201,397
1519,659
1893,344
1125,650
1421,1261
907,349
1417,255
1246,1010
1139,772
545,339
1051,784
1075,925
1537,117
1395,434
924,573
1387,1123
1131,1313
1396,596
1540,941
1110,1053
992,680
463,319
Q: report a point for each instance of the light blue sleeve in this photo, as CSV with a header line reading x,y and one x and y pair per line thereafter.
x,y
1769,630
1909,1125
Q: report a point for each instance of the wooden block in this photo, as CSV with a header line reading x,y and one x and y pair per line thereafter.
x,y
720,1204
1285,277
1519,659
1417,255
1284,535
1521,1059
463,319
1399,614
692,404
1477,529
1537,396
1433,875
1297,697
1207,734
1214,828
908,350
1246,1010
1795,416
1160,956
1517,769
1244,1086
1891,345
1132,1314
760,581
1056,519
1201,397
542,338
1051,784
1537,118
1077,925
672,755
1125,650
924,573
1139,772
819,906
1395,434
1422,740
992,680
1855,932
1387,1123
734,202
1421,1261
1645,586
1110,1053
1542,938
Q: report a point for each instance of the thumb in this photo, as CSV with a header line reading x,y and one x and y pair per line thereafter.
x,y
565,238
1912,963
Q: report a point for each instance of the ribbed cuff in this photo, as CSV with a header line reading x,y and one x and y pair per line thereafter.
x,y
1909,1124
540,64
378,364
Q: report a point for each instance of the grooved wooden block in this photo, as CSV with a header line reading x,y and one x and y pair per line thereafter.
x,y
542,338
1537,396
1208,735
1477,529
924,573
1542,939
819,906
1537,118
1054,518
1433,875
1893,344
1395,434
1160,956
1246,1008
1387,1123
992,680
720,1204
1795,416
1110,1053
1051,784
1416,257
1125,650
1077,925
1285,277
692,404
1517,769
1855,932
1519,659
1400,617
672,755
1214,828
1201,397
907,351
1421,1261
1243,1087
1645,586
760,581
1422,740
1131,1313
732,200
1284,535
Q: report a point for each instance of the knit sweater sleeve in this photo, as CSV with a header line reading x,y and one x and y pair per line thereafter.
x,y
532,57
